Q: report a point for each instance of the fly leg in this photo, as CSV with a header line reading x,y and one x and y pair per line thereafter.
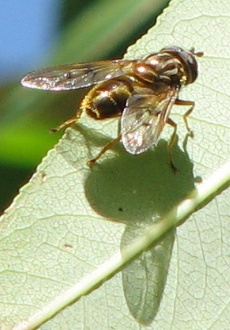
x,y
187,113
108,146
171,143
68,122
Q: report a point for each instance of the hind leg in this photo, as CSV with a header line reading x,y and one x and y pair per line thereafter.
x,y
108,146
68,122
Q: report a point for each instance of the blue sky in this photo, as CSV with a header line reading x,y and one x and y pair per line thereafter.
x,y
27,30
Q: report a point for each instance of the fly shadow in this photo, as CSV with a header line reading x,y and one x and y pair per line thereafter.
x,y
138,191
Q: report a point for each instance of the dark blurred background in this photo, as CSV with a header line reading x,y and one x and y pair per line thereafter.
x,y
39,33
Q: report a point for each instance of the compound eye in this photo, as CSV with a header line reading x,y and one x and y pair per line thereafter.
x,y
172,49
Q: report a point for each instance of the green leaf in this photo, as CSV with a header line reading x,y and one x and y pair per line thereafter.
x,y
57,244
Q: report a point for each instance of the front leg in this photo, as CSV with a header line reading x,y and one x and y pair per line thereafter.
x,y
187,113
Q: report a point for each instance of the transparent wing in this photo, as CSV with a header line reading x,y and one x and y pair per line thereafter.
x,y
144,118
74,76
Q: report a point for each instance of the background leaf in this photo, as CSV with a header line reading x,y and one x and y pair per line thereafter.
x,y
56,231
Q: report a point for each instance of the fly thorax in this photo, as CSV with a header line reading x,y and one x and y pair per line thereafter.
x,y
167,69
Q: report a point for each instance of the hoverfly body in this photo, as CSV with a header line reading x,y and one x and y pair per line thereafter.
x,y
141,92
